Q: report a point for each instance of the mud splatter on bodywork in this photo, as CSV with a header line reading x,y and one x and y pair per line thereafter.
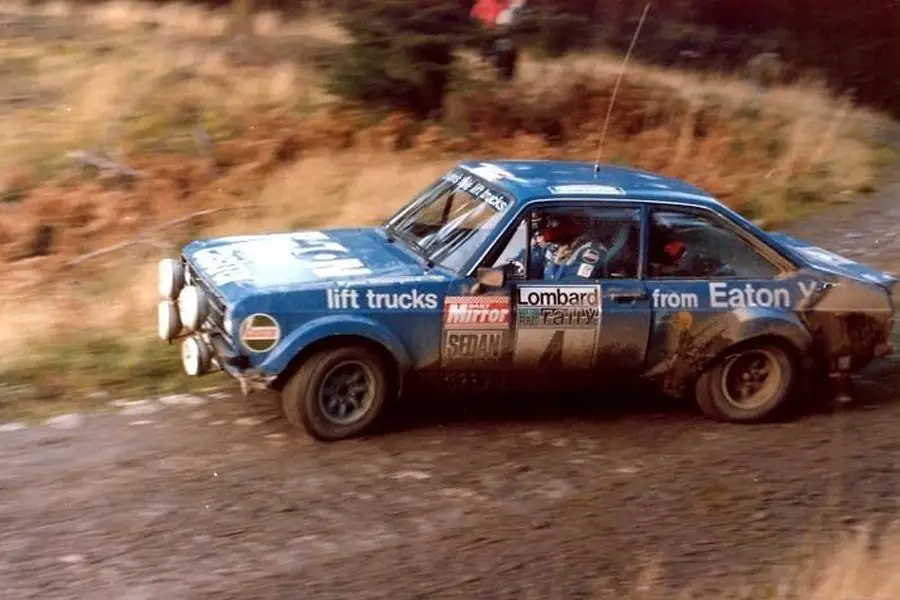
x,y
684,346
851,324
841,329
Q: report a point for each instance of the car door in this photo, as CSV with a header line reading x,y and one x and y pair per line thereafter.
x,y
579,324
703,273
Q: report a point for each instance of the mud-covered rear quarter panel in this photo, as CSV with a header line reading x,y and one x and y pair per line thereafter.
x,y
852,319
833,324
693,323
851,323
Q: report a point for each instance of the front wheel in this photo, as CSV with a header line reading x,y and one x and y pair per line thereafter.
x,y
748,385
337,393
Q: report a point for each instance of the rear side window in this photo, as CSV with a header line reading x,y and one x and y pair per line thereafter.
x,y
689,245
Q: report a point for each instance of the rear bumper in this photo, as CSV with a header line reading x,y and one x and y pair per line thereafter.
x,y
849,341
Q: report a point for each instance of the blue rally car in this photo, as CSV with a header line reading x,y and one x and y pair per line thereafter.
x,y
527,274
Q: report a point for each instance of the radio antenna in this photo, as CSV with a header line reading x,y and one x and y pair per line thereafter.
x,y
612,98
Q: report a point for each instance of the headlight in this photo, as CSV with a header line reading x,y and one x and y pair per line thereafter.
x,y
171,278
193,307
196,356
168,321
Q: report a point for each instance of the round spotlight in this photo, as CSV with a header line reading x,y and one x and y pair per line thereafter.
x,y
196,356
171,278
168,321
193,307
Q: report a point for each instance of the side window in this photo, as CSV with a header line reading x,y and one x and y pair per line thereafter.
x,y
515,247
576,243
693,246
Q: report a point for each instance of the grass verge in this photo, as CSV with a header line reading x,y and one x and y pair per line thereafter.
x,y
858,565
88,372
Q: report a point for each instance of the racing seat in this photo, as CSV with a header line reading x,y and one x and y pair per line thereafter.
x,y
613,257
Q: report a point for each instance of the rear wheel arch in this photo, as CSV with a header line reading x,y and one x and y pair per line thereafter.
x,y
710,400
789,345
790,331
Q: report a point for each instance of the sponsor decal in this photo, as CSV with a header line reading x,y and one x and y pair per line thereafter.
x,y
473,346
556,327
558,318
475,329
722,295
478,189
585,270
493,173
350,299
673,299
310,250
558,296
558,308
590,256
259,332
220,266
586,189
476,312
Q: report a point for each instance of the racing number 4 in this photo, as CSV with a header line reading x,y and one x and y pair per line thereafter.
x,y
554,348
553,353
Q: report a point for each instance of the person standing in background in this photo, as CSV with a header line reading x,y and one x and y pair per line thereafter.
x,y
500,16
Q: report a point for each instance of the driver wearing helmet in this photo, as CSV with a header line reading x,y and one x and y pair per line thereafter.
x,y
563,249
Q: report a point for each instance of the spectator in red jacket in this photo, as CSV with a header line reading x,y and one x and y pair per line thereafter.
x,y
499,16
487,11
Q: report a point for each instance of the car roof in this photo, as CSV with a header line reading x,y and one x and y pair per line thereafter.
x,y
531,180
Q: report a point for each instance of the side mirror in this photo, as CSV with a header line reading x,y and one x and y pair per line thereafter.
x,y
491,277
485,277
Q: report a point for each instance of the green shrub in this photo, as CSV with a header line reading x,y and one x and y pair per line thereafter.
x,y
552,28
401,53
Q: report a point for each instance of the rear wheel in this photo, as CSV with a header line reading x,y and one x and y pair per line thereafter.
x,y
338,393
749,384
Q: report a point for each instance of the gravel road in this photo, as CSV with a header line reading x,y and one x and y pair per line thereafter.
x,y
208,497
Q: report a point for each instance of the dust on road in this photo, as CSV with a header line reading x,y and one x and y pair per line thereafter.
x,y
216,501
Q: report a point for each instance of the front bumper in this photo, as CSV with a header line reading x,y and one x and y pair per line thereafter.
x,y
207,345
238,366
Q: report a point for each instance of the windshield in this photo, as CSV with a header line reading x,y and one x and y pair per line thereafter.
x,y
451,219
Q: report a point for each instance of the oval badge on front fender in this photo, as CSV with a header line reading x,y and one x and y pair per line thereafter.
x,y
259,333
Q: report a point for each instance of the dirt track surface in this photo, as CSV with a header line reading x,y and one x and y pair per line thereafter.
x,y
198,501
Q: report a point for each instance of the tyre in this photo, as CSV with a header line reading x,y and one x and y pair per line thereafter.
x,y
338,393
749,384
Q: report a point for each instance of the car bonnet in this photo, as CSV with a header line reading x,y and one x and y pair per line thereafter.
x,y
242,265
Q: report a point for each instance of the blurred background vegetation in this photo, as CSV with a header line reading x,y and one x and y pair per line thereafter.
x,y
854,46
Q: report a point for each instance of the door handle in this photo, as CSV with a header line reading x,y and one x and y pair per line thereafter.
x,y
627,296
